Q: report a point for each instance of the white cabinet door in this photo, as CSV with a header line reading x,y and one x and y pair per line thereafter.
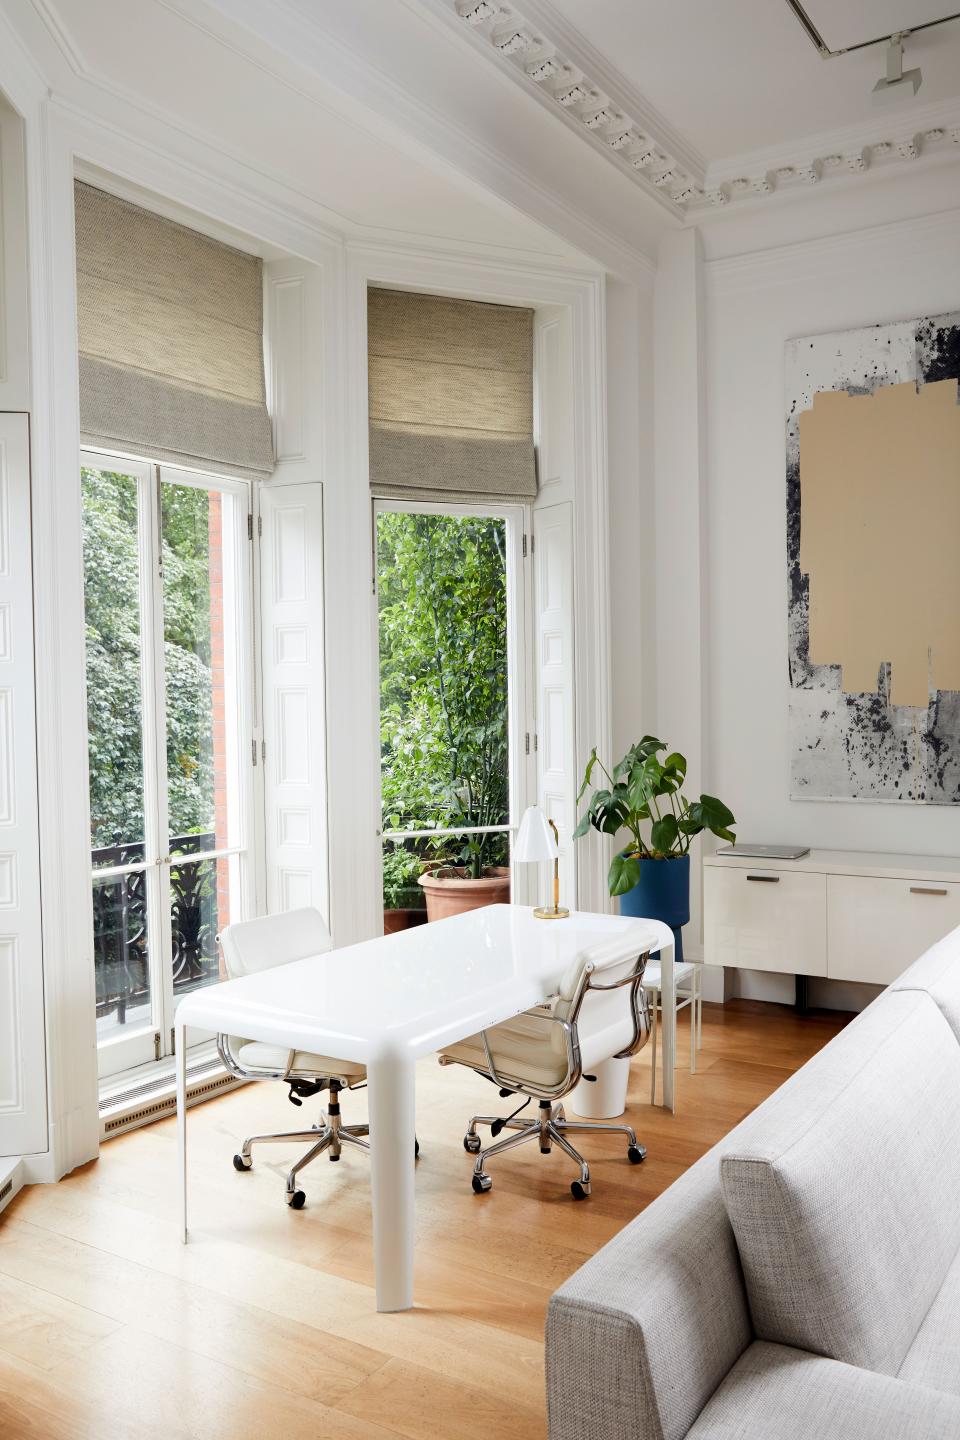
x,y
877,927
23,1103
292,632
765,920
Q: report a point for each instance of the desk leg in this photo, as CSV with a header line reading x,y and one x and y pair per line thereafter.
x,y
180,1042
668,1020
392,1141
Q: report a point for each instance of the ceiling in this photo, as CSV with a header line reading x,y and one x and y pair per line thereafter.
x,y
735,76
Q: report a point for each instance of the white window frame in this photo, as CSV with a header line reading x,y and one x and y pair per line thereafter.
x,y
520,734
153,1041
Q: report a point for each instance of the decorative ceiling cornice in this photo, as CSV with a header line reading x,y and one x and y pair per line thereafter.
x,y
532,42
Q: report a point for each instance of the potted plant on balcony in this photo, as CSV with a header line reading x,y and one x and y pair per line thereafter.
x,y
471,874
402,897
651,874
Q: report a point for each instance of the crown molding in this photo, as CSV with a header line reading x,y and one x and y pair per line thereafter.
x,y
557,65
553,61
886,143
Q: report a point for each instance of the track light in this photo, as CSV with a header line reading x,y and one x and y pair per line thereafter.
x,y
898,84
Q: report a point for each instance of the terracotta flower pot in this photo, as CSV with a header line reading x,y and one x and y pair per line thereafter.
x,y
394,920
452,891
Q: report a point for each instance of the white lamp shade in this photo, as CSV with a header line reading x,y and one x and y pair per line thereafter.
x,y
535,839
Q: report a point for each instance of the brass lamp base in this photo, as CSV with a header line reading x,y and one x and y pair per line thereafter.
x,y
553,913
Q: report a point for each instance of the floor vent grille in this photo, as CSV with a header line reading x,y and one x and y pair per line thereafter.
x,y
124,1114
6,1191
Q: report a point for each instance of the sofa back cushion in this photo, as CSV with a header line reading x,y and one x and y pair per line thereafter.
x,y
843,1197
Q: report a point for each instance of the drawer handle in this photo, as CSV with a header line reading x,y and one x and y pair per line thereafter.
x,y
925,890
770,879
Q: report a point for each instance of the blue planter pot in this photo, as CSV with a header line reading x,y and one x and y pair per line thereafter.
x,y
662,893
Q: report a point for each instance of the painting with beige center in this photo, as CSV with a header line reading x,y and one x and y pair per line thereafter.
x,y
873,518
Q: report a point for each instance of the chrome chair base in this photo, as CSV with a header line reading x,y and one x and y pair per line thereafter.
x,y
550,1128
331,1135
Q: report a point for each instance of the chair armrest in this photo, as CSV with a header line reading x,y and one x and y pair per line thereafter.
x,y
776,1390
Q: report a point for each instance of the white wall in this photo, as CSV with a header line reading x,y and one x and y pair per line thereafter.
x,y
753,304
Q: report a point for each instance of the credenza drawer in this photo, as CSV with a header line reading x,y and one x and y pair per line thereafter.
x,y
876,927
760,919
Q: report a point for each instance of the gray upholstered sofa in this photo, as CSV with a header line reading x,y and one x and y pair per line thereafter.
x,y
803,1278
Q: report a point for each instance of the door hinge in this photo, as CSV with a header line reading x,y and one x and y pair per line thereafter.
x,y
173,1040
249,525
536,742
253,751
259,526
526,746
524,547
156,1045
263,751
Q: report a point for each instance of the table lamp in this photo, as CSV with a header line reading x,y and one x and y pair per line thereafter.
x,y
538,839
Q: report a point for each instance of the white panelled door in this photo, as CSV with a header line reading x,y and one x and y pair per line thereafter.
x,y
292,628
553,526
556,757
23,1104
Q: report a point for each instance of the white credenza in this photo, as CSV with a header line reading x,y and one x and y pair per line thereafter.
x,y
842,915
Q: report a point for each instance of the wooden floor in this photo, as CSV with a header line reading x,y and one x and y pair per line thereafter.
x,y
264,1326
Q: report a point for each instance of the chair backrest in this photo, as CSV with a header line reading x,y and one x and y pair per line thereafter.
x,y
606,1018
253,945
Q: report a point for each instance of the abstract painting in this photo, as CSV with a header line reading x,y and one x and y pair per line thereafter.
x,y
873,563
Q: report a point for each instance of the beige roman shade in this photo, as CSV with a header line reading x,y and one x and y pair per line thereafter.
x,y
171,341
451,398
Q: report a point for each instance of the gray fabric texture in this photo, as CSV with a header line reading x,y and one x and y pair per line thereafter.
x,y
934,1357
842,1192
938,973
450,398
776,1393
640,1337
170,334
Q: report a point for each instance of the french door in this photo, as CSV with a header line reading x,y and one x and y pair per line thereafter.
x,y
457,739
173,730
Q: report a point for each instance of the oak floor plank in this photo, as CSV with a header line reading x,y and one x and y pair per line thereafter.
x,y
265,1325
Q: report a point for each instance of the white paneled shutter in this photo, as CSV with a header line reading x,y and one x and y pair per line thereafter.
x,y
553,588
292,628
23,1121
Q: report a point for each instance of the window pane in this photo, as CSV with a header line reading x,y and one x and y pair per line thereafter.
x,y
121,960
200,622
113,656
443,679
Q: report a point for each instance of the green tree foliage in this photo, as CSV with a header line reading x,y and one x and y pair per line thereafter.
x,y
443,678
114,653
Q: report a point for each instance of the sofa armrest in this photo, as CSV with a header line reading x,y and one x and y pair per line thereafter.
x,y
774,1390
641,1336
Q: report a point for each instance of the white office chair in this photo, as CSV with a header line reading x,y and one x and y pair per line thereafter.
x,y
600,1012
687,981
260,944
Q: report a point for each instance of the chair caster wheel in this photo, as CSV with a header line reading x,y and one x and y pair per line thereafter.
x,y
579,1191
481,1183
471,1143
296,1200
242,1165
416,1149
636,1153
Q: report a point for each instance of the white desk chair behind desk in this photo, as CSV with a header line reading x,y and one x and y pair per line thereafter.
x,y
600,1012
254,945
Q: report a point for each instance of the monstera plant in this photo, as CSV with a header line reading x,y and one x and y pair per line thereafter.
x,y
644,796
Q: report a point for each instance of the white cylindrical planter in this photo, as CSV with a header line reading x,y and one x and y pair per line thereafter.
x,y
606,1097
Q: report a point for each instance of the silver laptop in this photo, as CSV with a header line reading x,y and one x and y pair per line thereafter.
x,y
765,852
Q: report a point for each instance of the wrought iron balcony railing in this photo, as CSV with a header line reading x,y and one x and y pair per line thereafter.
x,y
121,930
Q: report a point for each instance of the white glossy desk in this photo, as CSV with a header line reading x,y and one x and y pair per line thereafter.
x,y
388,1001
